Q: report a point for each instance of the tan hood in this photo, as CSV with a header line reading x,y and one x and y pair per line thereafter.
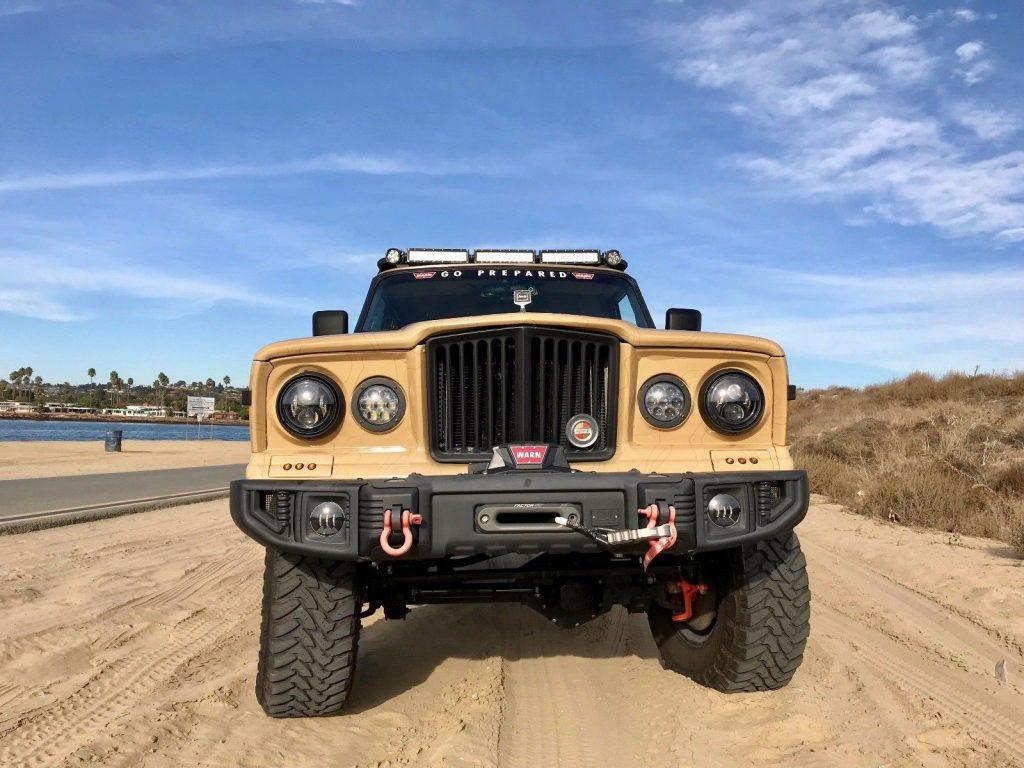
x,y
413,335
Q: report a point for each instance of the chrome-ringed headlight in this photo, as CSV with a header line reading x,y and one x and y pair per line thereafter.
x,y
664,401
732,402
310,405
378,404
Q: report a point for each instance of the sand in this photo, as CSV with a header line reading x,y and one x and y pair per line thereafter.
x,y
132,642
52,459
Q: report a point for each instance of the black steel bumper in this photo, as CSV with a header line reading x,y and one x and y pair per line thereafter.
x,y
497,514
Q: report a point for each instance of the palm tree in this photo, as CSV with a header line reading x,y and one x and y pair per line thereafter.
x,y
20,380
91,373
130,382
162,380
210,384
16,381
115,378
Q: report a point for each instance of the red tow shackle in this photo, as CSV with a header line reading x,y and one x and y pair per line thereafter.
x,y
408,520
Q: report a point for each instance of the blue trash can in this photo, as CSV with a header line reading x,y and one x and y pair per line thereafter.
x,y
112,444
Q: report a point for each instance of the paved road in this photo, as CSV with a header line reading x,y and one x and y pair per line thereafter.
x,y
19,497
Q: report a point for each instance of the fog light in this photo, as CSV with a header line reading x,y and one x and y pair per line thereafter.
x,y
393,256
327,518
724,510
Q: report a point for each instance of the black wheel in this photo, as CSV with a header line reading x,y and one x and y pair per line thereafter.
x,y
309,636
752,637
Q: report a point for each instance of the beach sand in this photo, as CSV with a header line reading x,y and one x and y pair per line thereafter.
x,y
133,642
54,459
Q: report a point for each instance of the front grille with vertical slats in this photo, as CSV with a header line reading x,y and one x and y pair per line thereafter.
x,y
519,384
473,398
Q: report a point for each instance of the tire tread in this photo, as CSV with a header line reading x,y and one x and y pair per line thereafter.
x,y
763,639
309,636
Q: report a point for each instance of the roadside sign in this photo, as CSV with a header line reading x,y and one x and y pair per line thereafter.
x,y
200,407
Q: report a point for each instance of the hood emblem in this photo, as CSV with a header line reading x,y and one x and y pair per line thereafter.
x,y
582,430
522,297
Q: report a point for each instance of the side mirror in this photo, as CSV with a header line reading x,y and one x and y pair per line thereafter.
x,y
682,320
330,322
246,396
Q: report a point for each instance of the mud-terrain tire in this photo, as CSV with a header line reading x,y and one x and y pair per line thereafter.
x,y
757,639
308,637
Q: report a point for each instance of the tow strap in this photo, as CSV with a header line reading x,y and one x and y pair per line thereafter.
x,y
661,537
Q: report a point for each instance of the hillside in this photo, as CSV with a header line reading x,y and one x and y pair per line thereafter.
x,y
945,453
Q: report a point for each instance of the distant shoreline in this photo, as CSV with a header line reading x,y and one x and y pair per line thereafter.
x,y
118,419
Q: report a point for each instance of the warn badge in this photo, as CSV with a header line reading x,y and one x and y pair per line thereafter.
x,y
528,455
582,430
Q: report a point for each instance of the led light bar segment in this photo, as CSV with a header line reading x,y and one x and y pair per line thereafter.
x,y
438,256
570,257
505,257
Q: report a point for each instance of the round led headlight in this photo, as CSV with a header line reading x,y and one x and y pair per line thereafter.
x,y
379,404
310,406
664,401
732,402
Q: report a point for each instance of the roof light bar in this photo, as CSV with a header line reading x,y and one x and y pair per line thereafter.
x,y
570,257
505,257
396,257
438,256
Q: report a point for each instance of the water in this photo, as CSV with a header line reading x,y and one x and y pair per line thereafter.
x,y
17,429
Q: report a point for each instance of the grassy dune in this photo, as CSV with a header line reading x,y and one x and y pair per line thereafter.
x,y
945,453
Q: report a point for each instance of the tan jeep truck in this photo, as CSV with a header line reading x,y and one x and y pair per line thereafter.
x,y
511,426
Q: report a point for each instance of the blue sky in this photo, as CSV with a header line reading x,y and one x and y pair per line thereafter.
x,y
181,182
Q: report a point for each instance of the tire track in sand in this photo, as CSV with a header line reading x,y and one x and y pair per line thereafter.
x,y
557,709
47,736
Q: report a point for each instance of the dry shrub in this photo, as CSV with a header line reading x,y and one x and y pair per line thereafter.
x,y
1016,534
858,442
835,479
1009,479
944,452
923,387
933,498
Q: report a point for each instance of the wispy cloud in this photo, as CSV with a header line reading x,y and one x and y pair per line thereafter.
x,y
974,67
988,124
322,164
19,9
177,253
924,318
48,293
837,89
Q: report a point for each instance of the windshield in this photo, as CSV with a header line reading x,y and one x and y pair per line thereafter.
x,y
401,298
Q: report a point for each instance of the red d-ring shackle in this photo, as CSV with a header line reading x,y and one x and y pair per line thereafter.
x,y
408,520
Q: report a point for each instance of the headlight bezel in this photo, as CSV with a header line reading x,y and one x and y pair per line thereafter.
x,y
379,381
667,378
751,422
328,425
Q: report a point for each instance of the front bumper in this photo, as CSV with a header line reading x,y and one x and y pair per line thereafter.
x,y
497,514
